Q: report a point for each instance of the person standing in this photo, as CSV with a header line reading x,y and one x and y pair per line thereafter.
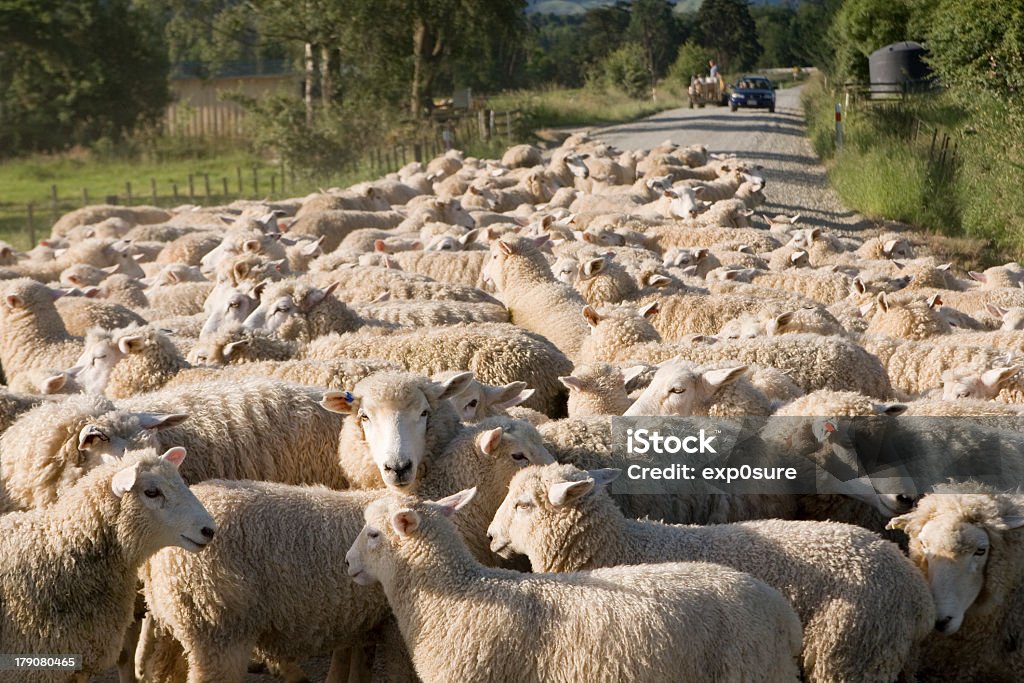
x,y
714,69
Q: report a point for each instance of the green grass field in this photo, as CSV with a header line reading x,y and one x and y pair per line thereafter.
x,y
585,106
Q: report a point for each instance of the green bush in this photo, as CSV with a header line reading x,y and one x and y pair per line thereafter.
x,y
626,70
691,60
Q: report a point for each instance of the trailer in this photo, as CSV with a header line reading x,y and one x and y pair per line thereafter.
x,y
707,90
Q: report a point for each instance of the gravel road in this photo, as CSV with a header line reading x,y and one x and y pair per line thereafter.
x,y
796,180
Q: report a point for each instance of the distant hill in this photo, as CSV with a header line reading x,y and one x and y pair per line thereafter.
x,y
565,7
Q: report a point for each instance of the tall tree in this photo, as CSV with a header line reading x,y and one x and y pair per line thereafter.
x,y
862,26
652,25
727,28
75,71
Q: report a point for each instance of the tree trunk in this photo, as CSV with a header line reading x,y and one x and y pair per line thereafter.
x,y
419,56
310,75
326,89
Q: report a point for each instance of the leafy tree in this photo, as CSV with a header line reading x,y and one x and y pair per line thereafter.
x,y
728,30
775,32
862,26
72,72
652,26
626,69
603,31
691,60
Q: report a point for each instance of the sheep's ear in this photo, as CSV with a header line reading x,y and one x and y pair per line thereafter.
x,y
944,267
891,409
175,455
889,246
156,421
883,302
571,382
716,379
659,281
815,233
934,301
700,254
592,316
456,501
630,374
505,247
316,296
258,288
88,437
511,394
229,349
797,255
312,247
131,344
866,308
783,321
997,376
692,271
900,522
980,277
123,481
604,476
51,385
565,492
650,310
593,267
252,245
858,286
343,402
487,441
997,311
470,236
405,522
1013,521
380,246
453,386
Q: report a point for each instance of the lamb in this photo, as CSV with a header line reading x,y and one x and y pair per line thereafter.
x,y
479,401
684,389
32,333
195,597
915,367
623,334
111,523
840,579
297,311
965,540
485,457
495,353
607,611
400,417
598,389
534,299
223,423
140,360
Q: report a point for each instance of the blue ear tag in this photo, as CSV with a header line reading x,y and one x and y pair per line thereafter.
x,y
349,397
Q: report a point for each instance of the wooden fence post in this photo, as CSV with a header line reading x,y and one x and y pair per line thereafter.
x,y
53,203
85,196
152,189
255,180
174,189
191,188
238,170
206,184
31,225
128,190
225,179
273,183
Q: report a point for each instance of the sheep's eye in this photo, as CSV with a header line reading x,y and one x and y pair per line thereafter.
x,y
201,359
677,390
373,534
233,304
523,505
282,309
519,457
363,417
425,413
152,493
473,403
980,552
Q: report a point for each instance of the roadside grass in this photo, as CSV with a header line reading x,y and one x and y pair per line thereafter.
x,y
888,168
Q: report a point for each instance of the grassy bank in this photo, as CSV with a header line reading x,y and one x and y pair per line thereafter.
x,y
585,106
892,166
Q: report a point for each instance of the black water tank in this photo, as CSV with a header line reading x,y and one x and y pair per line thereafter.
x,y
898,66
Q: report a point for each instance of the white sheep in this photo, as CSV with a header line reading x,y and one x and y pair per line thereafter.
x,y
839,579
110,523
684,389
746,630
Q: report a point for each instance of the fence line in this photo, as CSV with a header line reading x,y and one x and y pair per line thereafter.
x,y
464,128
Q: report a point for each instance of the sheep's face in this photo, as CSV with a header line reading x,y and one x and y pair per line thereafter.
x,y
478,401
281,312
984,386
1013,319
681,390
225,306
393,413
93,368
158,505
392,523
111,436
743,327
511,448
953,555
541,510
565,270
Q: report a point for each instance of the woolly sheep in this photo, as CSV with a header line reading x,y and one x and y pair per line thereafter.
x,y
11,406
80,313
335,225
90,215
111,523
397,419
195,597
598,389
914,366
534,299
684,389
966,540
840,579
297,311
44,382
479,401
746,629
496,353
32,333
427,313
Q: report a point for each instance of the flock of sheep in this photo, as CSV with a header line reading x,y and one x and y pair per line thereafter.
x,y
374,424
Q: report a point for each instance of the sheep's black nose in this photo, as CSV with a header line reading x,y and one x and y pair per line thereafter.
x,y
346,562
490,537
207,532
941,624
400,469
